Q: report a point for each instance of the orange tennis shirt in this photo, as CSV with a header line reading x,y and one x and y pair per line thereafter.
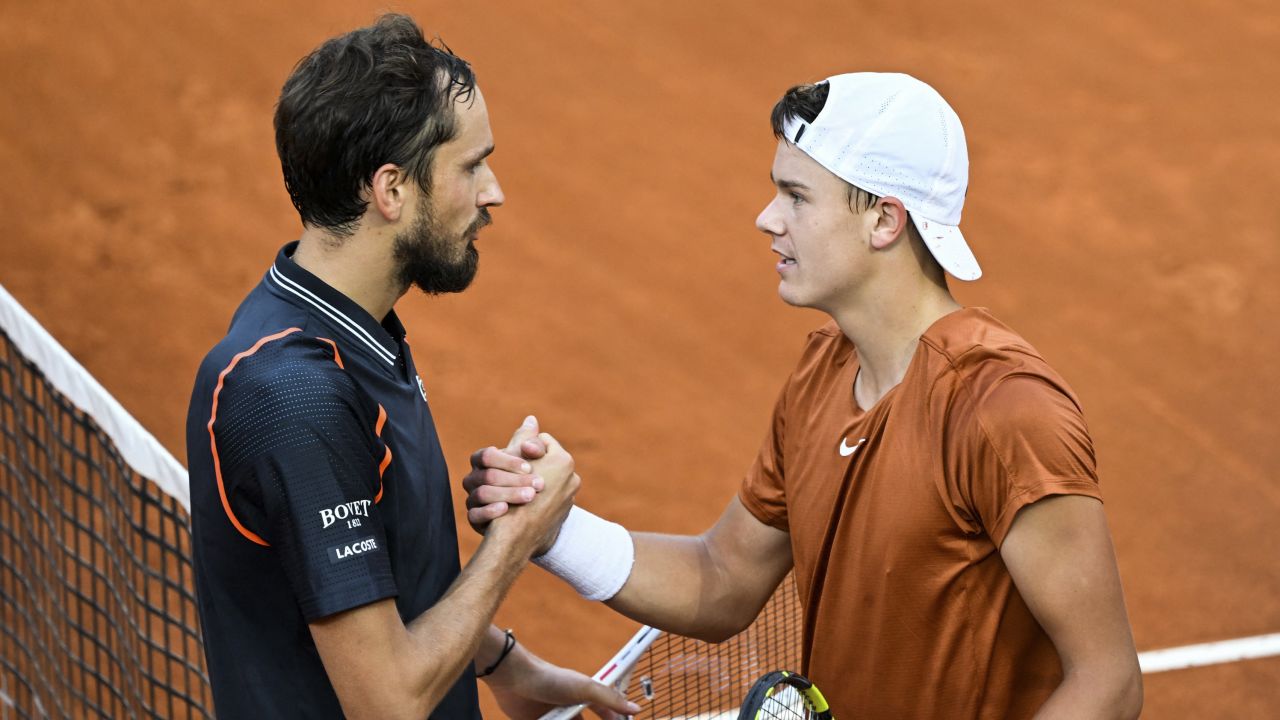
x,y
896,516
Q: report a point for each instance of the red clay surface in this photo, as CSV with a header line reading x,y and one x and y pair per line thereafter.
x,y
1122,202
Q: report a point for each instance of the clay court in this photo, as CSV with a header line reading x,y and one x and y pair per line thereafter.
x,y
1122,202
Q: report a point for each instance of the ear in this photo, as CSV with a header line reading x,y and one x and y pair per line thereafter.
x,y
389,191
891,223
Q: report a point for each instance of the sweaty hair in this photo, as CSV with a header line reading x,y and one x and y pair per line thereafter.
x,y
377,95
805,102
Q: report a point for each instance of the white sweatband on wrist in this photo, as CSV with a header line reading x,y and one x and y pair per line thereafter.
x,y
591,554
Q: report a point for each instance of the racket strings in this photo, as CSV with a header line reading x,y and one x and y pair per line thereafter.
x,y
784,702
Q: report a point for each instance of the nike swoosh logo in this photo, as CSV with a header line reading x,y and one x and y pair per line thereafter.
x,y
846,451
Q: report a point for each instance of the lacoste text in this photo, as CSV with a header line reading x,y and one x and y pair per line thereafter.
x,y
359,547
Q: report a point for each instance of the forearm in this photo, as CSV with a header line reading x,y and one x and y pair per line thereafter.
x,y
678,586
490,648
446,638
381,668
708,586
661,580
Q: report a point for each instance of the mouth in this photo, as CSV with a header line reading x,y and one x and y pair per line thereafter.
x,y
483,219
784,259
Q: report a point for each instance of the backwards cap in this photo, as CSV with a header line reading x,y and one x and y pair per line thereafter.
x,y
892,135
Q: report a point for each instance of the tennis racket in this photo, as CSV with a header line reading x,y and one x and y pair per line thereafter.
x,y
782,695
616,672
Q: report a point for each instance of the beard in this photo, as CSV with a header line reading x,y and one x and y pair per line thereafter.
x,y
427,256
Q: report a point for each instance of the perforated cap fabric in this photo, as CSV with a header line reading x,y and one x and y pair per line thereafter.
x,y
892,135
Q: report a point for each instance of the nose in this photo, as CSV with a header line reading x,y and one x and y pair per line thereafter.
x,y
769,221
490,191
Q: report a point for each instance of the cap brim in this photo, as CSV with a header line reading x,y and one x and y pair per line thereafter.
x,y
947,244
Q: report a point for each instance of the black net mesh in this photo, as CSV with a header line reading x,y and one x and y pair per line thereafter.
x,y
684,678
97,608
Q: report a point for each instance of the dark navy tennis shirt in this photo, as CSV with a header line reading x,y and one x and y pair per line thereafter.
x,y
317,486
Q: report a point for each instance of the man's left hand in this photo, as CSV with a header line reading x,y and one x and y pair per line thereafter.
x,y
526,687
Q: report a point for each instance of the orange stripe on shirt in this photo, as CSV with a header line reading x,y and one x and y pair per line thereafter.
x,y
213,440
386,459
382,419
337,356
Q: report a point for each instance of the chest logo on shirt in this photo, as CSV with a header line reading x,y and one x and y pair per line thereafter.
x,y
422,388
349,511
846,451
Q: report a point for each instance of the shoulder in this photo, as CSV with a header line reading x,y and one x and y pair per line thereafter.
x,y
970,338
992,365
261,320
993,388
286,369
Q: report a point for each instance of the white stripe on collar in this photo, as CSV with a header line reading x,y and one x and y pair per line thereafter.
x,y
334,313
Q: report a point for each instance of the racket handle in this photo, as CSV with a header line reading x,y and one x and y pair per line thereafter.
x,y
564,713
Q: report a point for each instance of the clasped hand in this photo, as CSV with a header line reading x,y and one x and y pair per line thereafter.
x,y
504,484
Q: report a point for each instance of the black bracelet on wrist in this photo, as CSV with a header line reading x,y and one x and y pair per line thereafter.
x,y
507,646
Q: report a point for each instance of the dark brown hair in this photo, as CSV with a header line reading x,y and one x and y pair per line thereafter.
x,y
380,94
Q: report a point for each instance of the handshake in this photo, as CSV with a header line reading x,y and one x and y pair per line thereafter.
x,y
523,495
522,492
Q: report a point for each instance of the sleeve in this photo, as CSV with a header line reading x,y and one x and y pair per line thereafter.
x,y
299,454
1024,440
763,492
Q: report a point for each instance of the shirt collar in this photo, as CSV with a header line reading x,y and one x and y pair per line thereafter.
x,y
300,287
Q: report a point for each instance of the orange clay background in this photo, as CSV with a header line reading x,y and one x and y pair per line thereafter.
x,y
1123,202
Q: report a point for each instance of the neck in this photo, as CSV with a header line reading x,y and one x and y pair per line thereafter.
x,y
885,326
360,266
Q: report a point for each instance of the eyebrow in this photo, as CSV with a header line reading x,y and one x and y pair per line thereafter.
x,y
480,155
788,184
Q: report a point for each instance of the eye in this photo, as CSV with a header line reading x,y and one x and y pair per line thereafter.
x,y
796,199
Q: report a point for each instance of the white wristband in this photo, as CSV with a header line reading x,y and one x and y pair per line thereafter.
x,y
591,554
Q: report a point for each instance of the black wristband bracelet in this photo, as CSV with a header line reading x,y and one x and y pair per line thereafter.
x,y
507,646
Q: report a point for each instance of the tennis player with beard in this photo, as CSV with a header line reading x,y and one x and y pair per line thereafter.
x,y
928,476
326,555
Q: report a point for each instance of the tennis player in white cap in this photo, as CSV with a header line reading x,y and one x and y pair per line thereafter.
x,y
929,477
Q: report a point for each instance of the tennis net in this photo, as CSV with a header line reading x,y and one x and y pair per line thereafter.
x,y
97,609
98,615
679,677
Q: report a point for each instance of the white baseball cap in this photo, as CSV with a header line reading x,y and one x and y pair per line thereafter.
x,y
892,135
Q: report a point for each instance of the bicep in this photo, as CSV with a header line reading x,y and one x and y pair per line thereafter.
x,y
1060,556
362,650
754,556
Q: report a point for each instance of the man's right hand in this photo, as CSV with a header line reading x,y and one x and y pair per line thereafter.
x,y
536,521
502,478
